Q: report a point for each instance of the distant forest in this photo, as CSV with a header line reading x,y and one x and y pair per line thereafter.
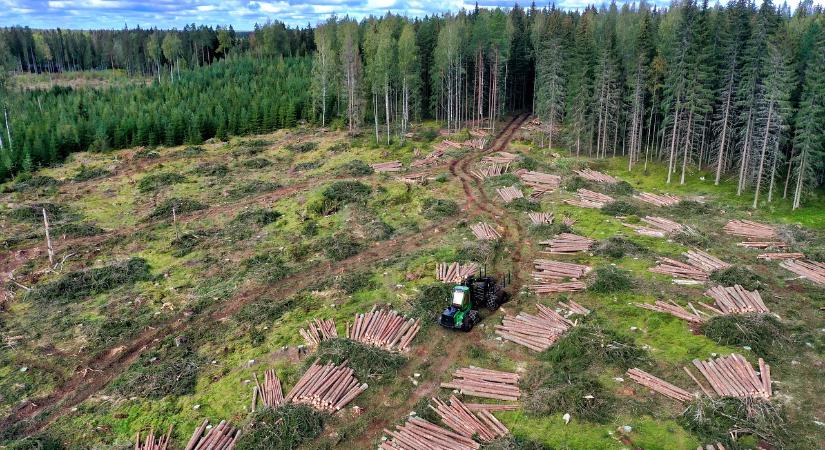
x,y
738,90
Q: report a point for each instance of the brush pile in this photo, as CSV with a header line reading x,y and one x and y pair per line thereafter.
x,y
698,267
489,170
485,383
595,176
326,387
484,232
589,199
540,218
733,376
779,256
418,434
536,332
509,193
318,330
500,158
270,393
736,300
455,272
658,199
540,182
392,166
153,443
672,309
812,270
568,243
221,437
749,229
383,328
659,385
463,421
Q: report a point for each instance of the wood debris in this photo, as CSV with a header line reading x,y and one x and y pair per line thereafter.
x,y
540,218
491,406
151,442
478,133
598,177
221,437
485,383
812,270
543,182
762,244
509,193
484,232
326,387
672,309
455,272
549,270
665,225
413,178
536,332
749,229
568,243
465,422
780,256
645,231
736,300
392,166
589,199
500,158
489,170
477,143
271,393
658,199
679,270
659,385
568,221
418,434
575,308
733,376
318,330
432,157
384,329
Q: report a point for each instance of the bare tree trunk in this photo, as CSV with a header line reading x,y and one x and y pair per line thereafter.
x,y
788,176
48,238
387,107
743,161
764,152
673,144
797,195
688,147
721,155
773,171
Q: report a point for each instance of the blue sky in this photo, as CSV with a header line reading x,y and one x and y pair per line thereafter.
x,y
241,14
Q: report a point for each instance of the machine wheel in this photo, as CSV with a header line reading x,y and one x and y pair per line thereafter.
x,y
491,301
470,320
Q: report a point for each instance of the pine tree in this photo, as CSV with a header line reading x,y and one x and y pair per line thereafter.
x,y
809,140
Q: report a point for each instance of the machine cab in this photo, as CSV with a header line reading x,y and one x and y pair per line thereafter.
x,y
460,296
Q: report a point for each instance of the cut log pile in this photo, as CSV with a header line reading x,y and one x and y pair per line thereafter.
x,y
152,442
477,143
413,178
221,437
568,243
463,421
536,332
780,256
540,218
489,170
432,157
270,393
698,267
575,308
491,406
645,231
749,229
509,193
384,329
484,232
540,182
589,199
455,272
478,133
705,261
326,387
485,383
733,376
672,309
568,221
666,225
659,385
318,330
658,199
735,300
595,176
418,434
549,270
500,158
812,270
762,244
392,166
556,288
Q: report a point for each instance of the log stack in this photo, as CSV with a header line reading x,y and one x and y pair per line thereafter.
x,y
589,199
679,270
509,193
477,143
391,166
567,244
418,434
536,332
568,221
432,157
152,442
539,181
500,158
484,232
318,330
666,225
762,244
455,272
485,383
221,437
659,385
736,300
596,176
478,133
575,308
659,200
384,329
672,309
645,231
812,270
326,387
705,261
413,178
780,256
270,393
489,170
540,218
451,144
733,376
465,422
549,270
749,229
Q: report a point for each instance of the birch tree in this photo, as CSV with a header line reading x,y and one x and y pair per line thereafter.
x,y
325,66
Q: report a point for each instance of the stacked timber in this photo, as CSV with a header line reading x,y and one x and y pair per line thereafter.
x,y
463,421
270,393
645,231
432,157
413,178
500,158
152,442
484,232
749,229
812,270
455,272
568,221
491,407
536,332
705,261
672,309
557,288
589,199
762,244
659,385
485,383
733,376
666,225
575,308
418,434
544,182
384,329
736,300
679,270
326,387
595,176
392,166
548,270
568,243
658,199
489,170
452,144
478,133
318,330
540,218
509,193
477,143
221,437
780,256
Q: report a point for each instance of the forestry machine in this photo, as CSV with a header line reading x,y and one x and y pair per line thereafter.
x,y
473,293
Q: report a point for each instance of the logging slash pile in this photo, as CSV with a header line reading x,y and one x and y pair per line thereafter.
x,y
153,442
568,243
540,218
383,328
465,422
536,332
733,376
484,232
589,199
326,387
659,385
812,270
509,193
485,383
221,437
595,176
455,272
658,199
391,166
735,300
418,434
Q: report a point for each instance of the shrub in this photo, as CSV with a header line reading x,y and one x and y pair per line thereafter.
x,y
426,134
436,208
266,310
620,188
88,282
253,187
78,230
269,265
309,228
260,217
355,281
283,428
551,229
478,251
620,208
611,279
171,369
575,183
157,181
113,330
85,173
180,205
34,213
588,344
429,303
146,153
690,208
528,163
338,147
738,275
339,194
302,147
341,246
211,170
503,180
524,204
514,443
355,168
371,364
763,333
186,243
256,163
617,247
300,167
37,442
582,397
28,182
692,238
192,150
712,419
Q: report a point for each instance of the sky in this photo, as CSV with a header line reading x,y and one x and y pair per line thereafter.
x,y
241,14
